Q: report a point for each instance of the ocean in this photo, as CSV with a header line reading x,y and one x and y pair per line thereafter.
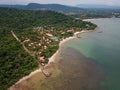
x,y
101,57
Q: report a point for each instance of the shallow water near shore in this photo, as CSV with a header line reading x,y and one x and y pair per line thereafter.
x,y
91,62
103,47
76,73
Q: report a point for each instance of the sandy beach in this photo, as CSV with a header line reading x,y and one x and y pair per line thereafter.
x,y
94,19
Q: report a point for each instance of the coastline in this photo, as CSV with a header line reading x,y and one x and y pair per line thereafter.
x,y
52,59
92,19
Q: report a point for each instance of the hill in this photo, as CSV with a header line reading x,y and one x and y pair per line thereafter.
x,y
82,11
53,7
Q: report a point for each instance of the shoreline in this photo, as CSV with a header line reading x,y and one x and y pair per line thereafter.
x,y
92,19
51,59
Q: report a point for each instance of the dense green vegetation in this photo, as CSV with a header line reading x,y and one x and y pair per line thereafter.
x,y
15,62
21,19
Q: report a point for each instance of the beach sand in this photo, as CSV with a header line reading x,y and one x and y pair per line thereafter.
x,y
93,19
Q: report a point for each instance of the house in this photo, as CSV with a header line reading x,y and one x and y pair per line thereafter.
x,y
49,35
39,44
70,30
63,33
42,59
45,47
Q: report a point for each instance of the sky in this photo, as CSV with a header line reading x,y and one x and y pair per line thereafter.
x,y
64,2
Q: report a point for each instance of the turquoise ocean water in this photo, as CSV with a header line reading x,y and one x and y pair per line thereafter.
x,y
104,49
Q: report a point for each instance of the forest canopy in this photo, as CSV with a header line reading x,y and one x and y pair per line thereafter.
x,y
14,61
